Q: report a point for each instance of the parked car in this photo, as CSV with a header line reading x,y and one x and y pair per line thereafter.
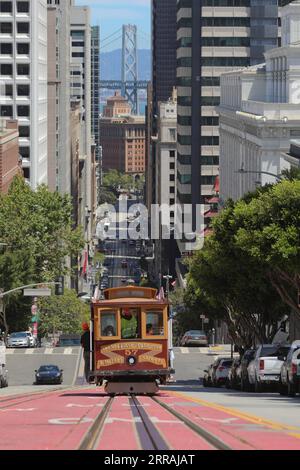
x,y
290,371
32,339
234,377
18,340
220,371
3,368
266,366
49,374
194,338
247,357
207,379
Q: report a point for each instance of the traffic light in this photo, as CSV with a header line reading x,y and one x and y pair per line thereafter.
x,y
60,285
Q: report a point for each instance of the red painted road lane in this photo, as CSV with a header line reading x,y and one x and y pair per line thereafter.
x,y
174,432
55,421
119,431
238,433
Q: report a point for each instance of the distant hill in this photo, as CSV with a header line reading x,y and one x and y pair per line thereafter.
x,y
111,63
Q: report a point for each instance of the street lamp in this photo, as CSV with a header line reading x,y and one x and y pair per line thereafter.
x,y
241,171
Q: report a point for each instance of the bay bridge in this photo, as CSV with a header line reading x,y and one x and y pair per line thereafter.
x,y
129,85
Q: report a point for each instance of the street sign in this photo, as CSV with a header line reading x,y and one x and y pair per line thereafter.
x,y
37,292
206,320
202,317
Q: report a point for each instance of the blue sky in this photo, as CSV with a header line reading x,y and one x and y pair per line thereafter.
x,y
110,15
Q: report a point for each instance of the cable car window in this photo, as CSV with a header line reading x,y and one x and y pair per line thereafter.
x,y
130,323
108,324
154,324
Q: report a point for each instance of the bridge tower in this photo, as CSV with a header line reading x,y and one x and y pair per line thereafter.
x,y
130,67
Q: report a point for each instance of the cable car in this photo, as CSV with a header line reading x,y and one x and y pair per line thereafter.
x,y
130,341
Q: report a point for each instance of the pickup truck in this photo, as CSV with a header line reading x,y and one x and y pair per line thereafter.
x,y
290,372
266,366
3,370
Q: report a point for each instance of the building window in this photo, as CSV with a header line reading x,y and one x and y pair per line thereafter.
x,y
23,69
6,48
6,69
6,111
6,28
23,90
24,131
23,111
23,7
23,28
5,7
23,48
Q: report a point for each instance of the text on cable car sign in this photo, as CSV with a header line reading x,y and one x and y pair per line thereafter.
x,y
132,349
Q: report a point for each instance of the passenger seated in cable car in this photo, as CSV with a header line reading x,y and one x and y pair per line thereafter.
x,y
149,329
109,331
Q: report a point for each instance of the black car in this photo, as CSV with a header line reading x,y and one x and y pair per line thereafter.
x,y
48,374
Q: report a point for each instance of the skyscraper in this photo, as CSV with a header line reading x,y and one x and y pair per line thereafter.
x,y
59,146
213,37
95,99
23,81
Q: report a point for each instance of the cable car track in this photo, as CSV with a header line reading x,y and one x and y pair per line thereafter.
x,y
149,435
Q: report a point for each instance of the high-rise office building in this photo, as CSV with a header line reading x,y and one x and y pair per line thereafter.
x,y
23,81
95,99
59,146
81,90
163,79
213,37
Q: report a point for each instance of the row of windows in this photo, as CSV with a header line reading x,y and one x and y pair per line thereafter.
x,y
7,69
205,81
205,159
217,42
205,121
6,48
22,111
21,90
205,101
187,179
213,21
217,3
205,140
22,27
7,7
216,62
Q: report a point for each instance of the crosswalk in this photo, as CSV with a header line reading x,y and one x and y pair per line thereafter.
x,y
44,351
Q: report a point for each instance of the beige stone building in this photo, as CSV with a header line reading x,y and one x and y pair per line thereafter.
x,y
9,153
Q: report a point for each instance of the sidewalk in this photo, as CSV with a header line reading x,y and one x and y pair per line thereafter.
x,y
221,350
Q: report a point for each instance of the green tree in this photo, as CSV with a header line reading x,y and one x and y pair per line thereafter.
x,y
62,314
267,229
37,228
230,283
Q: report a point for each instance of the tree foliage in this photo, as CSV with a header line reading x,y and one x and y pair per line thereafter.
x,y
248,271
37,229
62,314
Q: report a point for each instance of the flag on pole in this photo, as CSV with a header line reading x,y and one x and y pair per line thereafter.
x,y
161,294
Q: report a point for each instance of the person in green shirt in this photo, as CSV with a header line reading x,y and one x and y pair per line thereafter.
x,y
129,324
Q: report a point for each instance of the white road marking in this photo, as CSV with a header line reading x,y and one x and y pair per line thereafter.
x,y
222,421
68,351
48,351
29,351
21,410
184,351
154,419
68,421
75,405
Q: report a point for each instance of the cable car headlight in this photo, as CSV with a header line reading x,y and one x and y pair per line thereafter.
x,y
131,360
